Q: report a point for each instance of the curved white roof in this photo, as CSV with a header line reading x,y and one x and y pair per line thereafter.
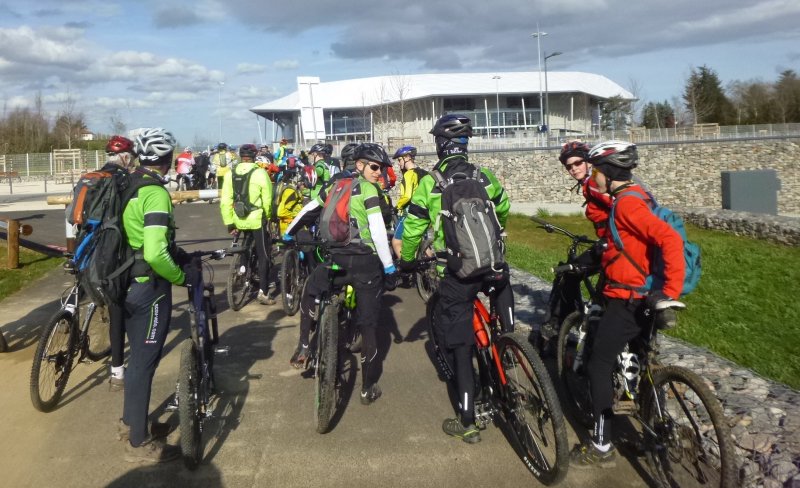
x,y
368,92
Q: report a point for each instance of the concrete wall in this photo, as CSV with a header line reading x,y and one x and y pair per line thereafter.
x,y
680,175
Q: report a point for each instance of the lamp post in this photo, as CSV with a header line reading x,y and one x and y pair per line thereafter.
x,y
538,35
345,126
546,92
386,120
219,108
496,79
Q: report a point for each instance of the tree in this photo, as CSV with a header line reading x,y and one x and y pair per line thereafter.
x,y
69,123
705,98
658,115
615,113
787,95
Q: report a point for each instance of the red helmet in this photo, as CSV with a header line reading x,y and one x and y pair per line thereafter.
x,y
119,144
574,149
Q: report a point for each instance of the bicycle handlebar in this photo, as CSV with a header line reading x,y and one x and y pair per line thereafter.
x,y
550,228
216,254
570,267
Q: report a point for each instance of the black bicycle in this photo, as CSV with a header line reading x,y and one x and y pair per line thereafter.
x,y
427,274
77,332
295,269
195,384
243,279
515,391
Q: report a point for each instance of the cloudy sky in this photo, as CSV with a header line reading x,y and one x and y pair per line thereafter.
x,y
174,63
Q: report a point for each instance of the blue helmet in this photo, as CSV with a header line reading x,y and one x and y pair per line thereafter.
x,y
405,151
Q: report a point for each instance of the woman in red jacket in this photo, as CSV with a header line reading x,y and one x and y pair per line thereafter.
x,y
624,318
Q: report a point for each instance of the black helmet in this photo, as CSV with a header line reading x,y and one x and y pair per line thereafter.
x,y
324,149
349,151
572,149
453,126
616,153
248,151
222,146
372,152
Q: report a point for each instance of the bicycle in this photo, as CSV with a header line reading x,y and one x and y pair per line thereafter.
x,y
243,277
696,450
66,339
295,269
427,274
195,384
514,391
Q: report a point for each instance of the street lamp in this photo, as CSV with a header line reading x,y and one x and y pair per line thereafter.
x,y
538,35
546,93
496,79
219,108
345,126
386,120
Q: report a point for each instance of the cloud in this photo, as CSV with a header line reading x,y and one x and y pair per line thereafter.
x,y
250,68
286,64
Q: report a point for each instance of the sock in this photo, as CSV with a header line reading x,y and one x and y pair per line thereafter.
x,y
118,372
602,447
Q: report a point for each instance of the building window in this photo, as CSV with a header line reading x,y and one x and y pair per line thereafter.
x,y
456,104
516,102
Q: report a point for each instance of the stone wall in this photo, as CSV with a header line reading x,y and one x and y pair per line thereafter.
x,y
685,174
773,228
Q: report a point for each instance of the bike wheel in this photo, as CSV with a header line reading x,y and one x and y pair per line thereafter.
x,y
532,410
326,366
52,362
3,343
189,407
428,277
239,284
443,365
291,282
690,441
571,360
98,333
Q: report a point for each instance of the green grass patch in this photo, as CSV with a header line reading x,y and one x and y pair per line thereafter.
x,y
32,266
744,309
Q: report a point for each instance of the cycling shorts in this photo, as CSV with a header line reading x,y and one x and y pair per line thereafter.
x,y
398,230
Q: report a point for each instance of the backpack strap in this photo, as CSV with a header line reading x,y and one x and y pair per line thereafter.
x,y
612,225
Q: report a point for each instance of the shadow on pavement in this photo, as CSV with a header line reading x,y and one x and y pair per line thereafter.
x,y
168,475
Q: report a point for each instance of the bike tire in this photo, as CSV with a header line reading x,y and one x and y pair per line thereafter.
x,y
533,411
575,383
52,363
675,456
326,366
239,284
443,365
291,282
427,278
189,407
3,342
98,333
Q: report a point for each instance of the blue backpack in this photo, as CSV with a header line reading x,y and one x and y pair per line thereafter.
x,y
691,251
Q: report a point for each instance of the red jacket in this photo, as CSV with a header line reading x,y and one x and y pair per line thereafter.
x,y
639,229
598,205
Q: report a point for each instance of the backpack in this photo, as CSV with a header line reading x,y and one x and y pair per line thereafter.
x,y
103,258
470,225
691,251
335,226
241,194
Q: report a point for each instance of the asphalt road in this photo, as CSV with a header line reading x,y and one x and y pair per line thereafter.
x,y
263,433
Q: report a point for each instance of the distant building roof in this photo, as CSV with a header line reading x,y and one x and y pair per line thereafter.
x,y
377,90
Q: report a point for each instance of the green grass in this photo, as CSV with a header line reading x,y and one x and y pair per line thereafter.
x,y
32,266
745,308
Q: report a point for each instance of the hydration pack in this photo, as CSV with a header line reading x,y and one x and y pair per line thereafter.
x,y
241,194
335,225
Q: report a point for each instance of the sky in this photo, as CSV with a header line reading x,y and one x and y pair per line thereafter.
x,y
196,68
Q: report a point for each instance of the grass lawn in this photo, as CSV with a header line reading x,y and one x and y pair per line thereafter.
x,y
744,309
32,266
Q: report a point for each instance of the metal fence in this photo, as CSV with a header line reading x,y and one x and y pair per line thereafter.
x,y
44,164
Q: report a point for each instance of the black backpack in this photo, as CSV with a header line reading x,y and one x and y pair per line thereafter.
x,y
241,194
472,232
103,258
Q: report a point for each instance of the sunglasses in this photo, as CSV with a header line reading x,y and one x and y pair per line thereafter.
x,y
569,166
374,167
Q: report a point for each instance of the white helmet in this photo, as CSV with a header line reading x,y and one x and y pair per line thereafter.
x,y
154,144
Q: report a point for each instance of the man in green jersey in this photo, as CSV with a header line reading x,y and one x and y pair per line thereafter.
x,y
367,262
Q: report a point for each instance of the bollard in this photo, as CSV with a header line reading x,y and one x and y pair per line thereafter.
x,y
10,186
13,244
45,183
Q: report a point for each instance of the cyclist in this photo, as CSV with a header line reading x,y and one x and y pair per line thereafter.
x,y
455,306
201,165
150,231
222,161
257,198
282,152
348,158
184,164
624,316
367,261
320,158
574,157
411,178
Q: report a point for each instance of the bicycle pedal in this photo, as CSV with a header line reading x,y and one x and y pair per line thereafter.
x,y
222,350
172,406
624,407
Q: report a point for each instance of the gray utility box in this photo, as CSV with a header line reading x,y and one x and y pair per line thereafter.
x,y
751,191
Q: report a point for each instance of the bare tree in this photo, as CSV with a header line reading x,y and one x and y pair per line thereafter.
x,y
69,122
117,125
635,87
401,87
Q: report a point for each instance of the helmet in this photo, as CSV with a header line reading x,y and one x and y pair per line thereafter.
x,y
248,151
573,149
222,146
616,153
119,144
154,146
349,151
453,126
187,149
372,152
405,151
324,149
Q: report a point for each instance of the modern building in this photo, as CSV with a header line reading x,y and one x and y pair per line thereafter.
x,y
403,107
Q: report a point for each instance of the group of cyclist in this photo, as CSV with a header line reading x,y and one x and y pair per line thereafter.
x,y
378,253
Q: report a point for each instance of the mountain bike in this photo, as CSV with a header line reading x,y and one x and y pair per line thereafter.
x,y
514,391
243,278
77,332
295,269
427,276
684,433
195,384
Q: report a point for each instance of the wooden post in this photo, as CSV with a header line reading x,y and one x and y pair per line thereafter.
x,y
13,244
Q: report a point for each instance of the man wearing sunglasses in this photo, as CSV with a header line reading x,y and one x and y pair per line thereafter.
x,y
366,259
574,157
